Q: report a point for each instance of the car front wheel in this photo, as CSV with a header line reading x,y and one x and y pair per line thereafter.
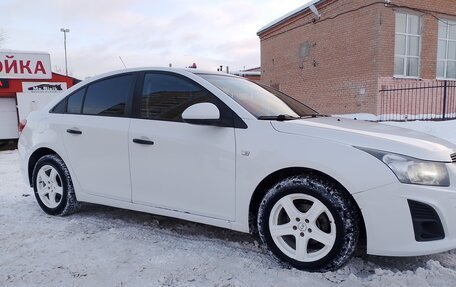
x,y
53,186
307,222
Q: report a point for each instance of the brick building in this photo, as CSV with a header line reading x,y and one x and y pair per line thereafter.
x,y
337,61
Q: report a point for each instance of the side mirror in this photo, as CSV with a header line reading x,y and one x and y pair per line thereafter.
x,y
202,114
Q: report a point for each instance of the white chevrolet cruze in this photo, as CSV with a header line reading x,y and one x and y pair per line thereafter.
x,y
220,150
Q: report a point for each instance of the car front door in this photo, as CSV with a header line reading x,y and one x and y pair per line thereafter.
x,y
95,134
176,165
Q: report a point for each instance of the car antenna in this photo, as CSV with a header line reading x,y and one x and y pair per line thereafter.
x,y
122,62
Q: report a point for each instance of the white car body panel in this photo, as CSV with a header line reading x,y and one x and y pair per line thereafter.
x,y
214,180
373,135
99,156
158,211
168,176
390,231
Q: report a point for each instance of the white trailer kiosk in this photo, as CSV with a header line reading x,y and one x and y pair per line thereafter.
x,y
26,84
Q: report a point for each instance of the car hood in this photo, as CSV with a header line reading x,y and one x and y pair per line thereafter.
x,y
371,135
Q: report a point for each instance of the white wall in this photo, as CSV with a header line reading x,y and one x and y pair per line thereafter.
x,y
8,119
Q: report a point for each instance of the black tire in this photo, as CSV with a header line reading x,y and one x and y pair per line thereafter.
x,y
67,202
341,209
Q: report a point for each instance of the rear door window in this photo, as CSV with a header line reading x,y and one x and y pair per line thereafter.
x,y
74,102
109,97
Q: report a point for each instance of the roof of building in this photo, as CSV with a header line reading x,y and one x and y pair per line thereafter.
x,y
71,77
289,15
249,72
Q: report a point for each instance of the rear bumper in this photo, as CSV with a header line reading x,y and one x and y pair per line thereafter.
x,y
389,224
23,159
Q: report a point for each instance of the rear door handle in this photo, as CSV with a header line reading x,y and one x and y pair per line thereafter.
x,y
142,141
74,132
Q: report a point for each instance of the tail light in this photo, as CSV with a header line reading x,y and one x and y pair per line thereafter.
x,y
22,125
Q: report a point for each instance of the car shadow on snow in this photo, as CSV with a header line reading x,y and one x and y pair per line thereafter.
x,y
362,265
8,145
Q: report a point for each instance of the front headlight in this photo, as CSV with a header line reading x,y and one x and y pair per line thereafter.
x,y
413,171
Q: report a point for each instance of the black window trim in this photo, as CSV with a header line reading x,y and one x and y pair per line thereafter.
x,y
232,119
133,104
128,104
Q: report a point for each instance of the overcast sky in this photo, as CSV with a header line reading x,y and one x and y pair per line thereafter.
x,y
142,32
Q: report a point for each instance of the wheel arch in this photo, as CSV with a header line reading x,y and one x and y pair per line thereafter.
x,y
278,175
34,157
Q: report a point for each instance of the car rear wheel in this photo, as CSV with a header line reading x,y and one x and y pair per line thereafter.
x,y
308,223
53,186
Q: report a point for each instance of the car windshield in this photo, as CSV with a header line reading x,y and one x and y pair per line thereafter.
x,y
261,101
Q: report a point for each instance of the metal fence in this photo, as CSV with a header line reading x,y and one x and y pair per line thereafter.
x,y
432,100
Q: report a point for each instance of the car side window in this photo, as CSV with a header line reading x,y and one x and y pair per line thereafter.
x,y
165,97
74,102
60,108
108,97
71,104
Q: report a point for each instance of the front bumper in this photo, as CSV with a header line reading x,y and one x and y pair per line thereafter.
x,y
388,220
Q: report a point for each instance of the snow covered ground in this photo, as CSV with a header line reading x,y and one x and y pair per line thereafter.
x,y
102,246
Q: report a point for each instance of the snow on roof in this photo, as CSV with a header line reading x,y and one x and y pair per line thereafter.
x,y
289,15
249,72
256,69
243,73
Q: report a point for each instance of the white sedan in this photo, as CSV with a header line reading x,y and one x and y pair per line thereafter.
x,y
220,150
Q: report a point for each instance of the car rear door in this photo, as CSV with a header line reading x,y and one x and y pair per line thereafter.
x,y
95,135
176,165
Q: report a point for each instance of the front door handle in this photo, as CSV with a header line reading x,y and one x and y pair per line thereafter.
x,y
143,141
74,132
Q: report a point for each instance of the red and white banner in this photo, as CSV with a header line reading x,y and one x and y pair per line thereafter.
x,y
25,65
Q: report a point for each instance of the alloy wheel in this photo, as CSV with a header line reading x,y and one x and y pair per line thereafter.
x,y
302,227
49,186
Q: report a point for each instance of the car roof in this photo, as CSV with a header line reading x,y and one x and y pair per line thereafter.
x,y
164,69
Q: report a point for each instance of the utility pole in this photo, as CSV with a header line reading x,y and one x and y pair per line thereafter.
x,y
65,31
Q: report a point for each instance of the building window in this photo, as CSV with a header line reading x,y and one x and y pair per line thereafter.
x,y
407,45
446,56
